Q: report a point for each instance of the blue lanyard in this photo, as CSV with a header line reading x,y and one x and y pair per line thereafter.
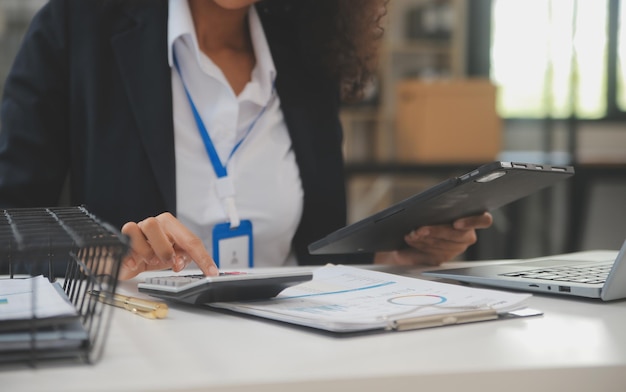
x,y
218,167
224,185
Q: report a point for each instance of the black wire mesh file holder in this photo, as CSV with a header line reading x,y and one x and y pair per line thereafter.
x,y
45,241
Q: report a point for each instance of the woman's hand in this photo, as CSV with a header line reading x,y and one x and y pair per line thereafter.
x,y
432,245
163,242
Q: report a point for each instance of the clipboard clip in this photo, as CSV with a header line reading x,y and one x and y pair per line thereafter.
x,y
440,320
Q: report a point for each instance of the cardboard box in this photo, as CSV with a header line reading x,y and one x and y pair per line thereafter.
x,y
447,121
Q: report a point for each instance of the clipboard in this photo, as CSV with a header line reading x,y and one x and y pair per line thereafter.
x,y
345,299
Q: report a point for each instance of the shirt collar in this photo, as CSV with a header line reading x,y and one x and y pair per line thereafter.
x,y
180,24
265,64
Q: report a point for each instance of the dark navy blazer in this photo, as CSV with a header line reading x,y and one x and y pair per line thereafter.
x,y
89,95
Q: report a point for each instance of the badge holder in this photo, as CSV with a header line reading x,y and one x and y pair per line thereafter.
x,y
232,247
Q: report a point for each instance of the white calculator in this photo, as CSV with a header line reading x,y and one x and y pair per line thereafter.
x,y
228,286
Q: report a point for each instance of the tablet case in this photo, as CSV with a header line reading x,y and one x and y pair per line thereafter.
x,y
486,188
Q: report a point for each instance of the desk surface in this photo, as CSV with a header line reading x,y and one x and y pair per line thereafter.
x,y
577,345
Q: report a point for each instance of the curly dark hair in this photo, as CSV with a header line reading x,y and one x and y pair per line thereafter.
x,y
341,36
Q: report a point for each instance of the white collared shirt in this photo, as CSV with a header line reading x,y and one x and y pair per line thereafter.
x,y
268,189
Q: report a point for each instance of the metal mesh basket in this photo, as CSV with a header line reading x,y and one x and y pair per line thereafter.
x,y
45,241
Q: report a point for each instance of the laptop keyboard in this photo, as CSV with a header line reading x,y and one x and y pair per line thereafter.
x,y
577,274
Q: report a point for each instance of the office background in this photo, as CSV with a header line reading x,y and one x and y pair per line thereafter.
x,y
560,98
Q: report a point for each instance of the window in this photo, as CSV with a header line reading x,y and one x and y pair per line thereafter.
x,y
621,59
559,58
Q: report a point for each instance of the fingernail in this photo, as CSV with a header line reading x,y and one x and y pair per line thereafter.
x,y
131,264
213,270
418,234
179,263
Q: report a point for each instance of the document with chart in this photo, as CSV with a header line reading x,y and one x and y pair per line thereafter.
x,y
35,314
349,299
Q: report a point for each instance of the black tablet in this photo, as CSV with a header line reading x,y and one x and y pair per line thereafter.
x,y
229,286
484,189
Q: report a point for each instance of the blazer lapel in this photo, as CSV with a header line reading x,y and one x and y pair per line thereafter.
x,y
141,49
295,102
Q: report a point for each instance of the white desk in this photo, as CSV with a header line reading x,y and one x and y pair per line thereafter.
x,y
577,345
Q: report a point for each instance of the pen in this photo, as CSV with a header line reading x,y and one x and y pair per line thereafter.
x,y
145,308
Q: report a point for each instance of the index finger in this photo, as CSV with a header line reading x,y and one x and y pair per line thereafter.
x,y
184,239
482,221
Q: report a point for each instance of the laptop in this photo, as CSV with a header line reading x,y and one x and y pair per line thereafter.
x,y
590,274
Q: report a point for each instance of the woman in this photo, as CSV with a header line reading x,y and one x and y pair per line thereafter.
x,y
194,118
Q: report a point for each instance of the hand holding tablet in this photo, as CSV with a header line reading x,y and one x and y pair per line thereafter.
x,y
486,188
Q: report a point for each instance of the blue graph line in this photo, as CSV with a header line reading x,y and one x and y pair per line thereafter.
x,y
339,291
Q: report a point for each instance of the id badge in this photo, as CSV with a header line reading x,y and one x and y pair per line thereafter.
x,y
232,248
